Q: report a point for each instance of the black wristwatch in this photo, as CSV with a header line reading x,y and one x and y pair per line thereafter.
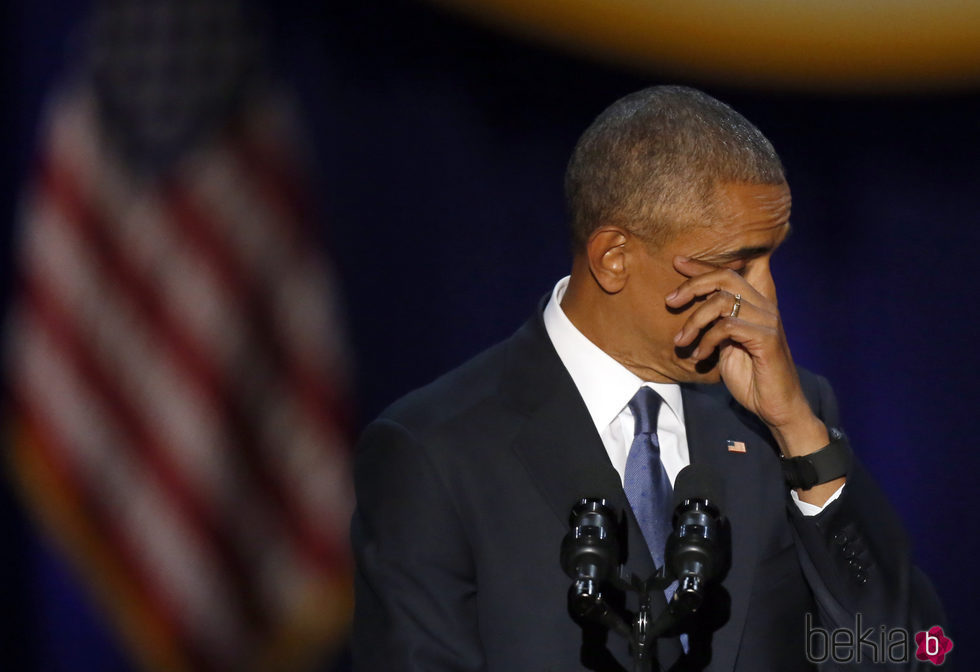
x,y
830,462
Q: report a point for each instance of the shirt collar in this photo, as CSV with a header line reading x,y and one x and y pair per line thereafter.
x,y
606,386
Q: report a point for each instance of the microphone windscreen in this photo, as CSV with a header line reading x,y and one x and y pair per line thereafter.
x,y
698,481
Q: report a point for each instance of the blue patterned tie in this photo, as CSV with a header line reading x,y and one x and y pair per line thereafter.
x,y
646,484
645,481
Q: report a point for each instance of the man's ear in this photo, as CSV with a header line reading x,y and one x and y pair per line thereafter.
x,y
606,250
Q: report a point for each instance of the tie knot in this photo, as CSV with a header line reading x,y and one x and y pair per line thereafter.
x,y
645,406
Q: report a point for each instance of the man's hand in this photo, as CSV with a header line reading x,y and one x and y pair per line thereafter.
x,y
753,355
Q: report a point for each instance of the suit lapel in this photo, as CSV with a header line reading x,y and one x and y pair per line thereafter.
x,y
559,445
565,459
713,419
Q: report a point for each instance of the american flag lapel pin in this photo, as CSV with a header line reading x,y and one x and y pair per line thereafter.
x,y
736,446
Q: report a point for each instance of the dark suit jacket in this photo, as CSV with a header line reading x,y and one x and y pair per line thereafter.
x,y
463,494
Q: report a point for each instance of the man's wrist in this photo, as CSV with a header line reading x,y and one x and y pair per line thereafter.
x,y
802,437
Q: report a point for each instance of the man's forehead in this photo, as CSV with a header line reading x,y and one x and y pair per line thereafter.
x,y
747,202
746,221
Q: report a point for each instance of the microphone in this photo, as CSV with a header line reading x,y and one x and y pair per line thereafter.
x,y
697,550
589,552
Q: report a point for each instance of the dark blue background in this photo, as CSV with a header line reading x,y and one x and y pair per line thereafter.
x,y
439,148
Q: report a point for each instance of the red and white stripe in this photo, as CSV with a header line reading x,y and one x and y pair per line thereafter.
x,y
178,342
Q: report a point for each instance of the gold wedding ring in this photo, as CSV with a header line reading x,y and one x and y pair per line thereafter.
x,y
737,306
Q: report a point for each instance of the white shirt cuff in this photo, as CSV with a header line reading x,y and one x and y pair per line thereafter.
x,y
808,509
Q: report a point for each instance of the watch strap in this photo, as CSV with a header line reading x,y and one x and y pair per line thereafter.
x,y
822,466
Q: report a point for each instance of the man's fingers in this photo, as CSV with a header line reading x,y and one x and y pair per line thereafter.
x,y
755,326
704,279
720,305
752,336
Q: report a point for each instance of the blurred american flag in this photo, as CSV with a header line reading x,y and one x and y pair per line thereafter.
x,y
176,367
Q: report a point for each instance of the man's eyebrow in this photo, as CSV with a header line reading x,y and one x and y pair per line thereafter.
x,y
746,253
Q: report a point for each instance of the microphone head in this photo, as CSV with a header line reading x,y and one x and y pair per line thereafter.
x,y
698,481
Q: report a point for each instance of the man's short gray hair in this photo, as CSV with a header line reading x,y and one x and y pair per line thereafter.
x,y
651,161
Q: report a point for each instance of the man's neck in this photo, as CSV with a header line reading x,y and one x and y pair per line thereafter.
x,y
597,316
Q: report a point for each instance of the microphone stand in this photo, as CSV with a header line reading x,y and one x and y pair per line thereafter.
x,y
587,602
590,556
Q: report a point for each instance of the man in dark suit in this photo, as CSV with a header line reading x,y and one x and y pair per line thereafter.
x,y
663,348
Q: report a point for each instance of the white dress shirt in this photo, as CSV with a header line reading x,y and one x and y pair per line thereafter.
x,y
607,386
